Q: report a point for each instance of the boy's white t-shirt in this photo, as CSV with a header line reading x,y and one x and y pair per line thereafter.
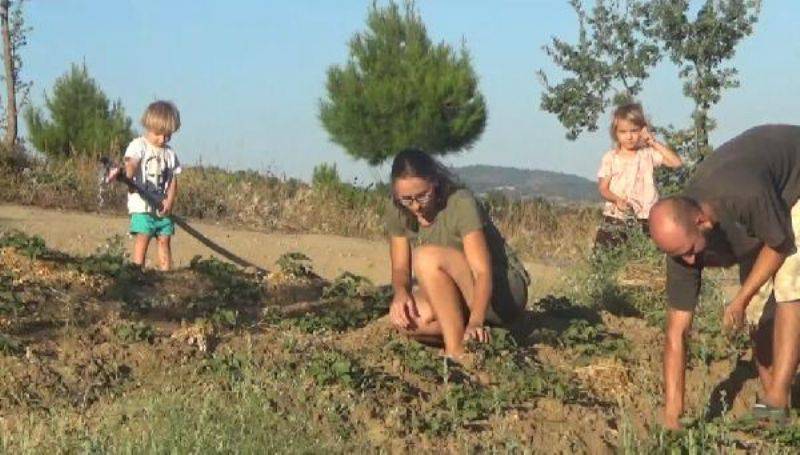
x,y
155,171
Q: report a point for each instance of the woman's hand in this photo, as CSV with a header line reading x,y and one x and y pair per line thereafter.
x,y
403,310
478,332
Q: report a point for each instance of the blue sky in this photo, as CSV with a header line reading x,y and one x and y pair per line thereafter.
x,y
247,75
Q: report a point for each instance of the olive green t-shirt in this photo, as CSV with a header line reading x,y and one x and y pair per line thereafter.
x,y
459,217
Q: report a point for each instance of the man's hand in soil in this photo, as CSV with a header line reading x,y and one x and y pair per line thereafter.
x,y
733,319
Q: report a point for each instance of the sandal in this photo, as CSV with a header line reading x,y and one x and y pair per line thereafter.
x,y
761,411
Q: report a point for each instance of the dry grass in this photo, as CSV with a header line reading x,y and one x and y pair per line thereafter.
x,y
536,229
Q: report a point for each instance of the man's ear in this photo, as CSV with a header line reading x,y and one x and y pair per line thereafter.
x,y
703,222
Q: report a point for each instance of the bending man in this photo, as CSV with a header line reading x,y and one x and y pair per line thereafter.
x,y
740,208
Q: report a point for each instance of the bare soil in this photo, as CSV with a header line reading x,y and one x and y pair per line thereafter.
x,y
80,233
80,339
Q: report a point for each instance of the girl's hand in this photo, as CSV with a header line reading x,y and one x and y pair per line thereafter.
x,y
647,137
478,332
403,310
622,204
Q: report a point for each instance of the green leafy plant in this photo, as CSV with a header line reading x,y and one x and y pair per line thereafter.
x,y
328,367
231,367
9,346
111,259
230,284
224,317
348,285
134,331
31,246
416,358
295,264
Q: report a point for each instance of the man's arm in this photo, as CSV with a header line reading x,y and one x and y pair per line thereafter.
x,y
683,289
769,221
765,266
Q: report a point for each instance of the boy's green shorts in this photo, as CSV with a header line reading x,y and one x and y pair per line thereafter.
x,y
151,225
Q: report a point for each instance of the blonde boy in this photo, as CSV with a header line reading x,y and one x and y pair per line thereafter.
x,y
153,164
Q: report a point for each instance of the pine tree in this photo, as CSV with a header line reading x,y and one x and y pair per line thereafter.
x,y
82,121
399,90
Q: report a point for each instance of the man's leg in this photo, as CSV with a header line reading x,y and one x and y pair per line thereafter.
x,y
761,312
786,335
678,324
786,354
762,344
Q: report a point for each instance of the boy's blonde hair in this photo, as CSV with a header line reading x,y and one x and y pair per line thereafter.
x,y
631,112
161,117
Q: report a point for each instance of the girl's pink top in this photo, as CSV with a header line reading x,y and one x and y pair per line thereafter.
x,y
631,178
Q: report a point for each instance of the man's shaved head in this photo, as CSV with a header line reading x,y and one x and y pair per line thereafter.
x,y
675,225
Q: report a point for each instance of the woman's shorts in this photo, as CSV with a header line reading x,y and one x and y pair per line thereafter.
x,y
509,294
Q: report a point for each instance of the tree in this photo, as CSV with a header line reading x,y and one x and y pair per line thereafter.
x,y
81,118
607,66
631,36
700,49
399,90
14,31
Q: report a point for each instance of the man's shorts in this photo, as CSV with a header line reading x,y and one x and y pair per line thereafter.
x,y
151,225
784,286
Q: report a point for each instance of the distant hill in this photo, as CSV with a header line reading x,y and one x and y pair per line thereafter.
x,y
525,183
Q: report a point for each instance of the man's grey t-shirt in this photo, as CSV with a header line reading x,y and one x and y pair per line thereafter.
x,y
752,182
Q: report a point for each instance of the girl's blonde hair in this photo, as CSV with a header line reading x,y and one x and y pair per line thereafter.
x,y
161,117
631,112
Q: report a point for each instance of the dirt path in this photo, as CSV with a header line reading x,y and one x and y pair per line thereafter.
x,y
82,233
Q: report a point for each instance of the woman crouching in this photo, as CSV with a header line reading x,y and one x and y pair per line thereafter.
x,y
466,275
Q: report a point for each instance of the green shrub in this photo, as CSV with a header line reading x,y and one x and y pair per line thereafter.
x,y
295,264
134,331
31,246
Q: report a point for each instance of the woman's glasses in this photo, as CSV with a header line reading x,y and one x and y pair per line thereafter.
x,y
421,199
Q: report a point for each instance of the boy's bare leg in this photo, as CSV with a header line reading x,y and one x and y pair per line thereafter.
x,y
140,244
164,253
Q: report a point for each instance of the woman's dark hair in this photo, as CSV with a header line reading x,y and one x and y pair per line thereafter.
x,y
416,163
